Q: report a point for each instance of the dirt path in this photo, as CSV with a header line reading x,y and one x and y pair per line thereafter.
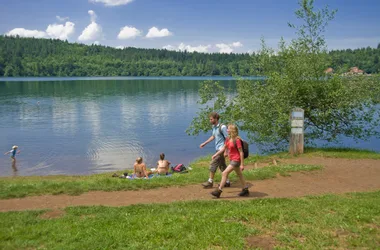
x,y
338,176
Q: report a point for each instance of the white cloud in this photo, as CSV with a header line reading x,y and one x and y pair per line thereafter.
x,y
224,48
27,33
62,19
170,47
154,32
112,2
96,43
60,31
237,44
189,48
129,32
120,47
92,15
56,31
93,31
228,48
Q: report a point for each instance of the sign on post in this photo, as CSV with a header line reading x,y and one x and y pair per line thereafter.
x,y
297,131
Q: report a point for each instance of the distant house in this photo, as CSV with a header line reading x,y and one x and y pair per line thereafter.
x,y
329,71
356,70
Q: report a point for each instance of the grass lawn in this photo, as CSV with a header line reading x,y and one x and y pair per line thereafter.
x,y
15,187
331,221
75,185
346,153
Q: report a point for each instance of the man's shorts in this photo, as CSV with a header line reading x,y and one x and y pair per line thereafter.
x,y
220,162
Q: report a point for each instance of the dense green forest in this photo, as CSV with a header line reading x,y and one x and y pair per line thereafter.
x,y
47,57
366,59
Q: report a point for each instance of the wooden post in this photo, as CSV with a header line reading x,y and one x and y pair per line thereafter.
x,y
297,131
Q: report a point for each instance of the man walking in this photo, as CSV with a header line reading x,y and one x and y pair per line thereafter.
x,y
219,134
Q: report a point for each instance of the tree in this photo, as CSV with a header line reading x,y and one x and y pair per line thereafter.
x,y
295,77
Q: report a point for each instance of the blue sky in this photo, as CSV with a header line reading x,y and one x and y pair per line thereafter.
x,y
202,25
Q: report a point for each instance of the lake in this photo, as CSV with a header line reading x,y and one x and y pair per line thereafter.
x,y
92,125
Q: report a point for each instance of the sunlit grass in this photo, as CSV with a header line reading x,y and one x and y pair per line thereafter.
x,y
348,221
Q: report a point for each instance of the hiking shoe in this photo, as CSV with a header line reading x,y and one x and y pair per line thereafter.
x,y
228,184
207,184
244,192
216,193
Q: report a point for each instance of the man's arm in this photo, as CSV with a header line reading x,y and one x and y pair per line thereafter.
x,y
219,152
208,140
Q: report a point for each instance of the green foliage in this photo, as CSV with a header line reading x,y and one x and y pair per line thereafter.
x,y
366,59
46,57
348,221
333,105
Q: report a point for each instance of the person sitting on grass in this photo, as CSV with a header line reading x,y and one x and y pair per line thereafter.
x,y
163,165
139,169
234,146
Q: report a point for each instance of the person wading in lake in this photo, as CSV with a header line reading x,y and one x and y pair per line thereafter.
x,y
235,150
219,134
13,153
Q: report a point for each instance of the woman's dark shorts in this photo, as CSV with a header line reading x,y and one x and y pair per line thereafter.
x,y
235,164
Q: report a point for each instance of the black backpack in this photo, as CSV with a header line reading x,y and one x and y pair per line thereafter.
x,y
244,146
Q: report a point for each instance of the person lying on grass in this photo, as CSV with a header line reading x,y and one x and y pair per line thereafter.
x,y
233,145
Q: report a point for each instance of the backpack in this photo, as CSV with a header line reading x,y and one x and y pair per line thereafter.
x,y
178,168
244,146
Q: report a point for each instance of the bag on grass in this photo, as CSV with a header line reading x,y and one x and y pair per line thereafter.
x,y
179,168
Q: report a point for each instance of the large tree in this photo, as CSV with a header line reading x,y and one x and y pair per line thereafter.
x,y
295,77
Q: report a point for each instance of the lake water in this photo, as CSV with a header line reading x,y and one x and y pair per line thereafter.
x,y
93,125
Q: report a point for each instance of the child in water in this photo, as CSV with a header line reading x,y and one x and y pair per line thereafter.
x,y
13,152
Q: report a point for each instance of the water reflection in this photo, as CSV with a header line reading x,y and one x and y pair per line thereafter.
x,y
82,127
14,168
65,116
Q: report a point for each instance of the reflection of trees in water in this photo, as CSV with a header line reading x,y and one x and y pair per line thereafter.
x,y
96,88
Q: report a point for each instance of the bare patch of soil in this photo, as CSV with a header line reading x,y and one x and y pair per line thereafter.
x,y
53,214
260,241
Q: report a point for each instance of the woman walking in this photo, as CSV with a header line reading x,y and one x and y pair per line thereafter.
x,y
233,145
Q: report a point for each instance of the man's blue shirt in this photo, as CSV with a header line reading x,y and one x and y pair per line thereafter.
x,y
219,139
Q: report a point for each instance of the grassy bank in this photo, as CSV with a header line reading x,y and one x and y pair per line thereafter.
x,y
13,187
331,221
75,185
346,153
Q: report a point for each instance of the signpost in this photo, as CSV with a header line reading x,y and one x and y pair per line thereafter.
x,y
297,131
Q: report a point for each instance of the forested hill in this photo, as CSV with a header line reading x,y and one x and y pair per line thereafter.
x,y
46,57
366,59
